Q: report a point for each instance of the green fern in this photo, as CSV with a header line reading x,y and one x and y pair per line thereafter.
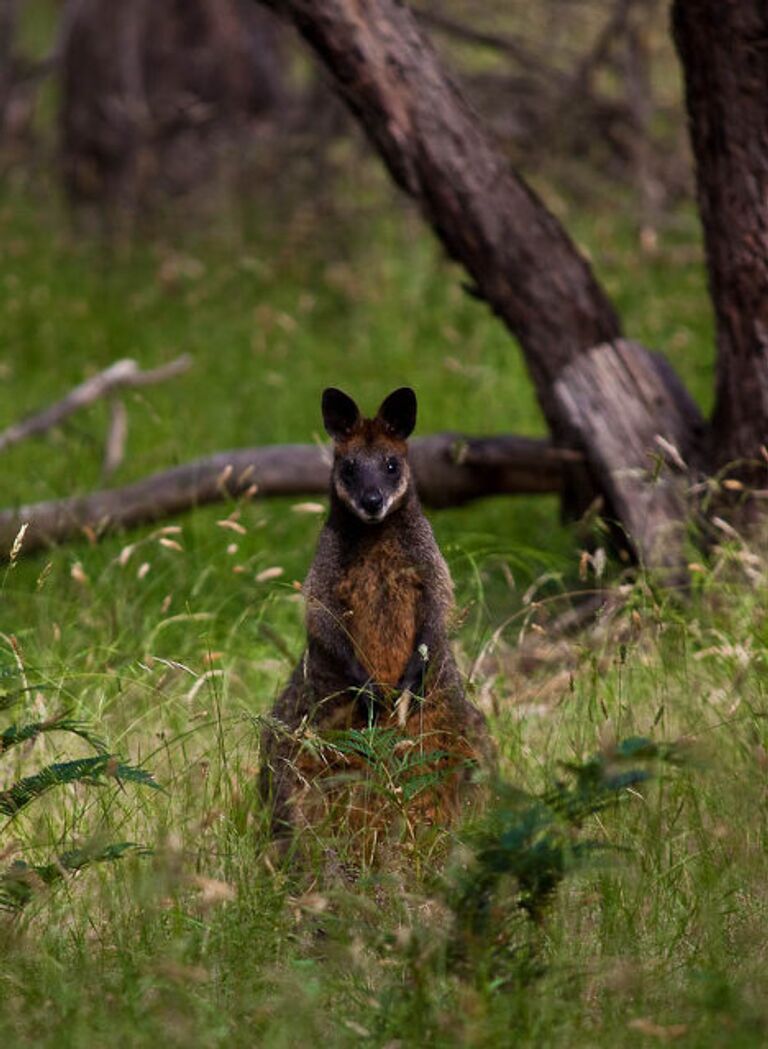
x,y
395,772
604,779
19,882
10,699
93,771
535,839
16,734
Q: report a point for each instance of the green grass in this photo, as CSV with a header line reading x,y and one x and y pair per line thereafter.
x,y
205,942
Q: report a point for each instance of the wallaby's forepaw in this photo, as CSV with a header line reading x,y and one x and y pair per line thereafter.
x,y
415,673
373,699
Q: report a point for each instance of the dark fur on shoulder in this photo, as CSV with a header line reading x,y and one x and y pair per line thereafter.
x,y
378,595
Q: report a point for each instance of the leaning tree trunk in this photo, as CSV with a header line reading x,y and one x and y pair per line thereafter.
x,y
599,392
723,45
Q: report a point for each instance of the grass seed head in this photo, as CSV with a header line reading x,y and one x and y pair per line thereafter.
x,y
18,541
77,572
269,573
170,544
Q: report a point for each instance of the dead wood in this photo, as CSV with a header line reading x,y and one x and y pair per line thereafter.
x,y
449,469
120,375
117,434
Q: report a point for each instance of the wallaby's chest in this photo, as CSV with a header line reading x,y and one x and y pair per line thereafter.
x,y
379,593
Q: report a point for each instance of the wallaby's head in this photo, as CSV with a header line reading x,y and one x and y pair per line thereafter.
x,y
370,463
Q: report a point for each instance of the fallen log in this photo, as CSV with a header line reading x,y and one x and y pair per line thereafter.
x,y
450,469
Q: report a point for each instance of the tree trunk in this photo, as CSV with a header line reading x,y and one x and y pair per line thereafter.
x,y
155,92
598,392
9,18
723,46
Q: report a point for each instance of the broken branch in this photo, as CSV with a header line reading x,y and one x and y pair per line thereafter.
x,y
119,375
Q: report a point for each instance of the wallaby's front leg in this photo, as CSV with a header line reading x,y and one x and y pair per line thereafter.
x,y
330,643
413,678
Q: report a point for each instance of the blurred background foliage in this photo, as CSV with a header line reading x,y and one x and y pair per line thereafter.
x,y
147,100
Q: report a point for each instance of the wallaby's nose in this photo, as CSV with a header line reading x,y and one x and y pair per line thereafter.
x,y
372,501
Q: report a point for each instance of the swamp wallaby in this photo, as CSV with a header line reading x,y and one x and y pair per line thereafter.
x,y
377,659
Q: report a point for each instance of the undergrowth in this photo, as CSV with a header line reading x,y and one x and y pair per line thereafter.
x,y
555,918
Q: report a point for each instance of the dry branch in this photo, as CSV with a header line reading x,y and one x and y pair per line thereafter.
x,y
450,469
119,375
117,435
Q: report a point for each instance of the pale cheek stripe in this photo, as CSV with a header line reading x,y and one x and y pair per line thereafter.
x,y
396,496
389,502
344,495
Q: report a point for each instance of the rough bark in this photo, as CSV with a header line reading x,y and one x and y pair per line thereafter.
x,y
631,405
520,259
450,469
723,46
436,149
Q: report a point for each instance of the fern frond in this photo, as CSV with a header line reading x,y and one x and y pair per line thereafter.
x,y
94,771
535,838
19,882
16,734
415,785
10,699
373,744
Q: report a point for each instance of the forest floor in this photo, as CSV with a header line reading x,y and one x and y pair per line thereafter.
x,y
171,642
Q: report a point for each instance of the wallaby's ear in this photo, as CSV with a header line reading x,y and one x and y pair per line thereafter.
x,y
340,413
398,412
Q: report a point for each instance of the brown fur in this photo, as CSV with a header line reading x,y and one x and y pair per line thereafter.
x,y
381,594
369,432
375,594
335,789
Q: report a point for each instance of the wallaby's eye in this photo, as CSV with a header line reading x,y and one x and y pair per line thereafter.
x,y
392,466
347,469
